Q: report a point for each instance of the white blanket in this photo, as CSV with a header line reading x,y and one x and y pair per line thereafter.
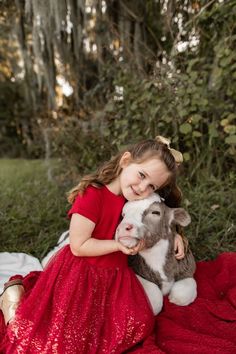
x,y
22,263
16,263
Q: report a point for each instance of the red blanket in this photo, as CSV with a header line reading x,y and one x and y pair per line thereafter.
x,y
208,326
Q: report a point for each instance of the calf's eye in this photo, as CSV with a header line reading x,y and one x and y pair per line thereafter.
x,y
156,212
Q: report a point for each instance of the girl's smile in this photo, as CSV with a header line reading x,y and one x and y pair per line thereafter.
x,y
139,180
135,193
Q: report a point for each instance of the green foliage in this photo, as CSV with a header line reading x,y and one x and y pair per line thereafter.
x,y
10,143
180,107
82,147
19,133
187,95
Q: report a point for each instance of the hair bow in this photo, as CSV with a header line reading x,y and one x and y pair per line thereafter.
x,y
176,154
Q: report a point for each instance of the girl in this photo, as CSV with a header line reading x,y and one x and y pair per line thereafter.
x,y
87,300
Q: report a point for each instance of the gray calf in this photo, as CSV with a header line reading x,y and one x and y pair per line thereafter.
x,y
156,266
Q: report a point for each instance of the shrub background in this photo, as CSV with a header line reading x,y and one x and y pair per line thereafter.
x,y
135,69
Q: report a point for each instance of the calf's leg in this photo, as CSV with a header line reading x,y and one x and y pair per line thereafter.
x,y
153,293
183,292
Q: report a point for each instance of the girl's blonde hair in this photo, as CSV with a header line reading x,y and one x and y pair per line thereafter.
x,y
140,152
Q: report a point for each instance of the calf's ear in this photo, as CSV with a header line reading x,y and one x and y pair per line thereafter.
x,y
181,217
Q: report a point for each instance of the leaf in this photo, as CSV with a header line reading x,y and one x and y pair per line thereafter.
x,y
193,75
225,61
230,139
133,106
204,102
196,118
230,129
224,122
186,156
197,134
231,116
168,119
186,101
183,112
185,128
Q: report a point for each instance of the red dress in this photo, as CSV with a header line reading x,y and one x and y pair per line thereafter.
x,y
83,305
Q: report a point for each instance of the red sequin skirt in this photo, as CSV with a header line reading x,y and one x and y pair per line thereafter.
x,y
77,307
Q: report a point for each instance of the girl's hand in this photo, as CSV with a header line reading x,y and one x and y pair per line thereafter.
x,y
179,247
131,251
139,247
123,248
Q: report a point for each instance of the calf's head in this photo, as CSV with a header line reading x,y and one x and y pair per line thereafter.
x,y
149,219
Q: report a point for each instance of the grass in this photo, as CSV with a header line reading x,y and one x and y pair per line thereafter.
x,y
33,210
211,203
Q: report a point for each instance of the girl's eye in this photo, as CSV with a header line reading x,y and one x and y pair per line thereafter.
x,y
142,175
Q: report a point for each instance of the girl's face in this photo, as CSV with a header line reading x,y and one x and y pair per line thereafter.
x,y
139,180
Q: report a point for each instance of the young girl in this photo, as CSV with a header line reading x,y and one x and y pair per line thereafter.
x,y
87,300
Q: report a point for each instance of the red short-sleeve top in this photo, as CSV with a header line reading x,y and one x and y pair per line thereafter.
x,y
104,208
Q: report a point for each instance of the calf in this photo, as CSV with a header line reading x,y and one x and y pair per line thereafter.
x,y
156,266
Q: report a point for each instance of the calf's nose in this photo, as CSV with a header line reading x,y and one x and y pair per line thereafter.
x,y
128,227
125,228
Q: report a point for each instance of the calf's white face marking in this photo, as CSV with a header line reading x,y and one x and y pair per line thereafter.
x,y
128,231
134,210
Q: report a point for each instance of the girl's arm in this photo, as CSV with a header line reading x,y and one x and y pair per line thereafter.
x,y
82,244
